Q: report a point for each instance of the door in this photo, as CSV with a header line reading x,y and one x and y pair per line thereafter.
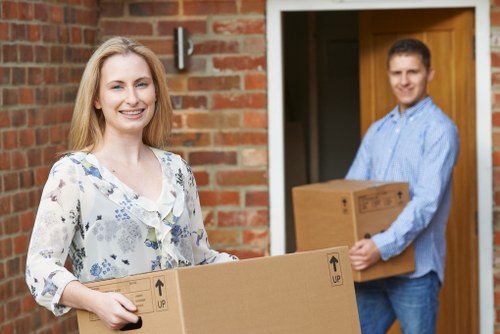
x,y
450,36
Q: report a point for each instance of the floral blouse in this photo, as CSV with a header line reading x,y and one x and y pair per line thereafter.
x,y
108,230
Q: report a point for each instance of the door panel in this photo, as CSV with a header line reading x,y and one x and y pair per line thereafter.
x,y
449,35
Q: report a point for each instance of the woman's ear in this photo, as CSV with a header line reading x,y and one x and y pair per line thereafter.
x,y
97,105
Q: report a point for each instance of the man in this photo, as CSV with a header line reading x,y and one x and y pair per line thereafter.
x,y
416,143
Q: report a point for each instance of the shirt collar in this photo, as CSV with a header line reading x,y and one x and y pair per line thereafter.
x,y
412,111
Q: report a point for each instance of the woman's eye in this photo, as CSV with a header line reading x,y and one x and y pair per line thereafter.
x,y
142,84
116,87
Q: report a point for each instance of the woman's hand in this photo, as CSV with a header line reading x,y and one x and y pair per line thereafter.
x,y
114,309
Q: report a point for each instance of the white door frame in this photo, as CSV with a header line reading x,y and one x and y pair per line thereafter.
x,y
275,8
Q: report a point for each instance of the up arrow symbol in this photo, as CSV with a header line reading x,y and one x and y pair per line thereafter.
x,y
334,261
159,284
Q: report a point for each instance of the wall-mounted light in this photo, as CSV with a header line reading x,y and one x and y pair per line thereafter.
x,y
183,47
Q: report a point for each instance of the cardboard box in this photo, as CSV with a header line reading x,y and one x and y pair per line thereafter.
x,y
301,293
340,212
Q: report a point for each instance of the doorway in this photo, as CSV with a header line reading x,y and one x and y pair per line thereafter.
x,y
322,126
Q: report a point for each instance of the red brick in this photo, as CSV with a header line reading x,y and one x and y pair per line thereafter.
x,y
239,26
258,238
255,120
41,174
496,158
127,28
243,218
241,177
13,309
216,47
252,157
9,140
213,83
10,181
216,198
239,63
112,9
495,118
212,158
4,31
255,81
9,53
56,14
257,198
495,17
5,250
28,304
162,46
198,27
496,101
190,139
49,33
154,9
41,12
253,6
26,95
26,53
189,102
20,201
177,122
240,138
202,177
35,157
177,83
254,45
20,244
224,237
5,160
26,220
205,7
239,101
10,9
41,54
26,11
212,120
497,198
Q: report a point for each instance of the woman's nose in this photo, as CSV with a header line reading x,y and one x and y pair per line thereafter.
x,y
131,97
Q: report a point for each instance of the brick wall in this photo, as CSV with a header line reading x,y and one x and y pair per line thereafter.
x,y
220,106
43,48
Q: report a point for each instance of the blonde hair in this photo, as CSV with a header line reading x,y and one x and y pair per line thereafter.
x,y
88,124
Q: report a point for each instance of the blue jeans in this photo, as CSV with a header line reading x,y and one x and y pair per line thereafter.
x,y
413,301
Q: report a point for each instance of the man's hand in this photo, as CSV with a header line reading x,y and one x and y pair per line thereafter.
x,y
364,254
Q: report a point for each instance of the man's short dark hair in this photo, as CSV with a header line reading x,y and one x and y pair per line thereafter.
x,y
410,46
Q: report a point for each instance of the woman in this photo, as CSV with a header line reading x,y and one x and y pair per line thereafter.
x,y
117,204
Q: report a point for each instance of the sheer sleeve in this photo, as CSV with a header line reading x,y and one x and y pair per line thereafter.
x,y
57,217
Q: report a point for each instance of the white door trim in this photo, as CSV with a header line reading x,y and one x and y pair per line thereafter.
x,y
275,8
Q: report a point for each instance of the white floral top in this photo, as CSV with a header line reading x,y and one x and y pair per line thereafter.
x,y
110,231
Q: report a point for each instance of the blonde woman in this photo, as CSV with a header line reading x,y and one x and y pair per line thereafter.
x,y
117,204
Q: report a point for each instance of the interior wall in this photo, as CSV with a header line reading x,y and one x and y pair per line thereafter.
x,y
337,95
338,92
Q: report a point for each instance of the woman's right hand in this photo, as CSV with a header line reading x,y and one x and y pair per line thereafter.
x,y
114,309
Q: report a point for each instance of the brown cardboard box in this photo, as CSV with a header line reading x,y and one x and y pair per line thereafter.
x,y
340,212
301,293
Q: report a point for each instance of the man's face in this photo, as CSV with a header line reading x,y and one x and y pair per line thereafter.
x,y
408,78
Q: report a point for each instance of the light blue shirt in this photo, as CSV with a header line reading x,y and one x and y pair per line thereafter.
x,y
420,147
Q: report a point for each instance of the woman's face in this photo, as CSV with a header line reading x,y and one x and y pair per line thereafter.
x,y
126,94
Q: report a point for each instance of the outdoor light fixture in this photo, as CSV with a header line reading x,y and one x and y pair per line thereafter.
x,y
183,47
